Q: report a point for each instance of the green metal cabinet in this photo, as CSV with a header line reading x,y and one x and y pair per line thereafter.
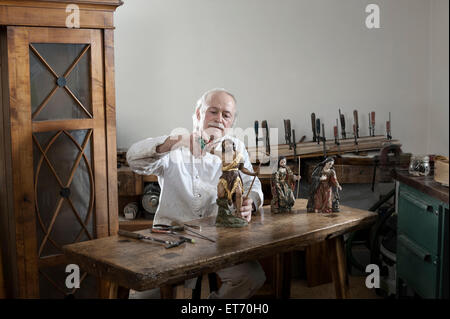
x,y
422,243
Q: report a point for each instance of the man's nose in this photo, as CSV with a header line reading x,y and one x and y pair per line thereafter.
x,y
219,118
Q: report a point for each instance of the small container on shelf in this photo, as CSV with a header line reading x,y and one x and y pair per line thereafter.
x,y
131,210
419,165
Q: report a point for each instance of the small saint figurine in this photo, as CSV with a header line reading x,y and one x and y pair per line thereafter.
x,y
282,185
324,191
230,190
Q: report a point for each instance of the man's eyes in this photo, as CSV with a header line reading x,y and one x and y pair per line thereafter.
x,y
226,115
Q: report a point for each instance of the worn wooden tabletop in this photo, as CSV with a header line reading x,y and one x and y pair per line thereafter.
x,y
142,265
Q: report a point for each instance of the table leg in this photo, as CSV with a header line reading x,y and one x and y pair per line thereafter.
x,y
167,291
123,293
282,275
338,266
287,275
278,275
108,289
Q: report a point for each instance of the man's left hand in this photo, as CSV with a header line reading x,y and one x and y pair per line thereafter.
x,y
246,209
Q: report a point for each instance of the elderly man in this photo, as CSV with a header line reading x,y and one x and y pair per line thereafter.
x,y
188,175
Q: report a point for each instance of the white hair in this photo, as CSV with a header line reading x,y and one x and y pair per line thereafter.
x,y
202,107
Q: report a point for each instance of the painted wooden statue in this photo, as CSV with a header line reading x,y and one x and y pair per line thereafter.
x,y
230,190
324,191
282,185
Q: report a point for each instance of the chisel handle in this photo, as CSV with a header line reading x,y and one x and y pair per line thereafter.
x,y
313,123
130,234
355,116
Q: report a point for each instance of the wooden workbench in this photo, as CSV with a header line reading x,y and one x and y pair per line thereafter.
x,y
141,265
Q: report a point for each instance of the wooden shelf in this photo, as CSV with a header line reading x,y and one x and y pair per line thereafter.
x,y
134,224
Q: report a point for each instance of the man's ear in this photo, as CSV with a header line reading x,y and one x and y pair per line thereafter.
x,y
197,112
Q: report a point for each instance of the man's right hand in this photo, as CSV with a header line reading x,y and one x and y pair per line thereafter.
x,y
191,141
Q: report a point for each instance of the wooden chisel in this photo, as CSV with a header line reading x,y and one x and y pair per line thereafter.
x,y
355,117
342,118
313,123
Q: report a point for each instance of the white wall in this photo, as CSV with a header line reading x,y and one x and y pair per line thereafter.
x,y
439,104
281,58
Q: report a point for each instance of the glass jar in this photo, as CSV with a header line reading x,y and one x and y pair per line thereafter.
x,y
419,165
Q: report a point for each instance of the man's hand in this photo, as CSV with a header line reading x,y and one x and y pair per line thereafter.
x,y
246,209
191,141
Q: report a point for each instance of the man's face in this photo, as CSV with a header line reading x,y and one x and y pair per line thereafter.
x,y
219,115
283,162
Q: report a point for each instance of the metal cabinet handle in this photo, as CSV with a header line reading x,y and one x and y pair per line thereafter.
x,y
418,203
415,249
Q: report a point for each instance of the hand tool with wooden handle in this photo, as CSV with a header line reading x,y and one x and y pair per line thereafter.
x,y
324,141
336,137
172,233
313,124
168,244
193,226
388,128
356,138
355,118
294,144
298,159
287,132
372,121
342,118
200,235
256,134
266,127
318,131
251,185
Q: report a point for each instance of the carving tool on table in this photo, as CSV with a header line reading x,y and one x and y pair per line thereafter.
x,y
188,228
180,228
200,235
193,226
169,231
168,244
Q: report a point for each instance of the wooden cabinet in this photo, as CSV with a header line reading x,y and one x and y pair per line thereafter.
x,y
58,168
422,242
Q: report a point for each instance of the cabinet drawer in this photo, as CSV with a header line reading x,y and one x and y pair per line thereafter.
x,y
418,218
417,267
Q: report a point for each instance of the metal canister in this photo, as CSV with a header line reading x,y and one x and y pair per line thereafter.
x,y
419,165
150,199
131,210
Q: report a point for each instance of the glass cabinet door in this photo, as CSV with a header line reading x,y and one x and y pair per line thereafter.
x,y
64,113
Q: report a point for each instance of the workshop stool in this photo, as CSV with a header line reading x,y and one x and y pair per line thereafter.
x,y
213,285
